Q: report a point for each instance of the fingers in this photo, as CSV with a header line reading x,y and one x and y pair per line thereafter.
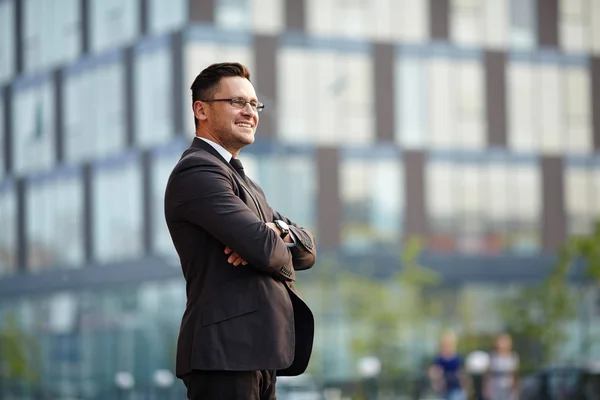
x,y
227,250
236,260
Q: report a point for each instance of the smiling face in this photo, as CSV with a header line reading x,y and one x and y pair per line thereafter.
x,y
233,128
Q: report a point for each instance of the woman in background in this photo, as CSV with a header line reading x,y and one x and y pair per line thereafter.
x,y
504,363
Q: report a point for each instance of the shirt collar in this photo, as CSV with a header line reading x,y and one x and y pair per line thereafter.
x,y
224,153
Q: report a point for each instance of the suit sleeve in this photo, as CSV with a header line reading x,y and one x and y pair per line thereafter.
x,y
304,254
205,197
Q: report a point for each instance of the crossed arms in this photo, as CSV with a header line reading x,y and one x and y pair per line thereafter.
x,y
206,198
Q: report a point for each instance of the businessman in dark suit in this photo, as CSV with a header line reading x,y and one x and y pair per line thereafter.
x,y
244,323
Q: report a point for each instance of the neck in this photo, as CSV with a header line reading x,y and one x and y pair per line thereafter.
x,y
213,138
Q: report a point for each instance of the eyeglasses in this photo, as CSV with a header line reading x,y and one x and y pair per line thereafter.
x,y
238,102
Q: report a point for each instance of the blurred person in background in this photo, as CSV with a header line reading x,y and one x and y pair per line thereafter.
x,y
244,323
501,381
446,371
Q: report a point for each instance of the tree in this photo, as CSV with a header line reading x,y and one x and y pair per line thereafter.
x,y
585,249
381,312
537,314
19,355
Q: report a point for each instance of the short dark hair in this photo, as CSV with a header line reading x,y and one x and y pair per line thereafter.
x,y
207,82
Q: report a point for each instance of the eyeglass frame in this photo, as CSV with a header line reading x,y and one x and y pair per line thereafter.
x,y
258,108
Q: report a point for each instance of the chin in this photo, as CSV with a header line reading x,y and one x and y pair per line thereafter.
x,y
248,139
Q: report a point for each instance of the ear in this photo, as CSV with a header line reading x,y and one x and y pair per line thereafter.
x,y
200,110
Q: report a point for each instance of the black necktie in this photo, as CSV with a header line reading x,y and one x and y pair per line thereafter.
x,y
237,165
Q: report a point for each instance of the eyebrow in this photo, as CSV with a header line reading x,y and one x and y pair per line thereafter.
x,y
245,98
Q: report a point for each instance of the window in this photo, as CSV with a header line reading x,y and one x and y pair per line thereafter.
x,y
575,18
118,210
521,95
8,221
493,23
372,202
471,110
582,195
466,21
33,116
268,16
54,206
332,95
2,139
523,24
412,105
498,204
113,23
406,20
442,205
483,205
577,106
7,40
166,16
153,83
441,102
525,195
479,22
51,33
162,164
233,14
94,108
260,16
595,27
549,106
202,50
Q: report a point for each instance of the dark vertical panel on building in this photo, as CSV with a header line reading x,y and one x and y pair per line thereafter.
x,y
177,84
88,208
147,197
329,201
415,196
553,208
19,27
85,26
21,225
547,22
130,122
439,19
265,81
144,17
595,94
295,15
59,116
202,10
7,145
495,98
384,57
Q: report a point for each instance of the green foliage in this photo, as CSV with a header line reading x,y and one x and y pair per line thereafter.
x,y
382,312
538,313
18,353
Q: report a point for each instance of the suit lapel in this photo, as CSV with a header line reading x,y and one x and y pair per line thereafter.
x,y
201,144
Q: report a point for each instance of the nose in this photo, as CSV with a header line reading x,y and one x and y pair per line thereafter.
x,y
247,110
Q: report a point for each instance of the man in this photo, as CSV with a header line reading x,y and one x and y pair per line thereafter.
x,y
244,323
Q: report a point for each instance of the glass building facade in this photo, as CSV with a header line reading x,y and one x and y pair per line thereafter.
x,y
472,124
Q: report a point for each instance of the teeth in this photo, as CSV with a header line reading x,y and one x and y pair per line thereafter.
x,y
244,125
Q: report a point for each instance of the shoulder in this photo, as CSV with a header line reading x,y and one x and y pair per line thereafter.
x,y
198,159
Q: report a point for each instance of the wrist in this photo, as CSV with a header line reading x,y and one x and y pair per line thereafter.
x,y
283,228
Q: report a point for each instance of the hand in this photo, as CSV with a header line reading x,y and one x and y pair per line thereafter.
x,y
234,258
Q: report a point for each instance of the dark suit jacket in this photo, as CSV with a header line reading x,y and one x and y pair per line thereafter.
x,y
237,318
